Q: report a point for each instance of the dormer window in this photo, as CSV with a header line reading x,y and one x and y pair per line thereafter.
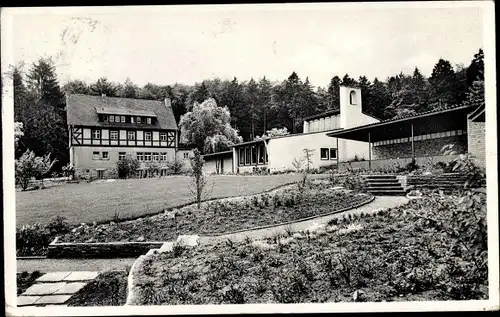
x,y
132,119
352,97
138,119
149,120
111,118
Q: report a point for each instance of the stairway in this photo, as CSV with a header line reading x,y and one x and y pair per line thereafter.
x,y
446,181
384,185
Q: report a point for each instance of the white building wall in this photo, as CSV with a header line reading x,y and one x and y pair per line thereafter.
x,y
282,151
351,115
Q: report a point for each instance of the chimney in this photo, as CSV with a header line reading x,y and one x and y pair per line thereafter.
x,y
168,102
103,95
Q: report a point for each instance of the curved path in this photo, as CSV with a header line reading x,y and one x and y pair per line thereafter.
x,y
53,265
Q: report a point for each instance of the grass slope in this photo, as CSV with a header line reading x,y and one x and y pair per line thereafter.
x,y
89,202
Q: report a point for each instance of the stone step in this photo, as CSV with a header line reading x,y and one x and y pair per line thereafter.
x,y
380,177
392,183
371,188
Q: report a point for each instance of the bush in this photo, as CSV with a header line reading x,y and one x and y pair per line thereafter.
x,y
127,167
175,166
34,239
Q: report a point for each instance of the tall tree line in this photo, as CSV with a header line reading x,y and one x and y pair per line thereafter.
x,y
256,105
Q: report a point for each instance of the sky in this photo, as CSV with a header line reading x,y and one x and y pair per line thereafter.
x,y
186,44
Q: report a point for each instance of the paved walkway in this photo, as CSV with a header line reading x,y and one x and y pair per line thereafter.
x,y
380,202
57,265
55,288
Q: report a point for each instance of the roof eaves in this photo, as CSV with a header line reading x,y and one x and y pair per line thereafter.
x,y
400,119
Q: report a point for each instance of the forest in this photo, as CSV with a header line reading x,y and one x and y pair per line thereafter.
x,y
255,105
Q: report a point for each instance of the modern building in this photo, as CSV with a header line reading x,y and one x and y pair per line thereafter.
x,y
279,153
104,130
421,137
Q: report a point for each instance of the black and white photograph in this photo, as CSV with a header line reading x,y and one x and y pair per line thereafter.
x,y
250,158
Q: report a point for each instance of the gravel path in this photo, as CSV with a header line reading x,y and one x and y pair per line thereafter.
x,y
64,265
380,202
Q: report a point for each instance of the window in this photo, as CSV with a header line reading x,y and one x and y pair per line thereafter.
x,y
105,118
147,157
113,135
242,156
247,156
155,156
123,119
453,133
111,118
333,154
140,156
138,119
186,155
163,156
163,136
105,155
262,152
100,174
131,135
121,156
149,120
163,172
132,119
352,97
253,148
324,154
459,132
96,134
117,118
147,136
95,155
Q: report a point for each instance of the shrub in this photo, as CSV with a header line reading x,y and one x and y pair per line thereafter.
x,y
175,166
127,167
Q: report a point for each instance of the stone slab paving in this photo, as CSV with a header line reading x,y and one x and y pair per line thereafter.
x,y
53,299
55,288
52,277
27,300
70,288
81,276
43,289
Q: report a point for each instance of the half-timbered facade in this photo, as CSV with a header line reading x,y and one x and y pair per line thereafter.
x,y
104,130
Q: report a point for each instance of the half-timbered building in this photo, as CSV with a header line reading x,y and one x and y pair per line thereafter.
x,y
104,130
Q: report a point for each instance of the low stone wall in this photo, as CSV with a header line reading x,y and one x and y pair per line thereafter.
x,y
99,249
442,181
389,163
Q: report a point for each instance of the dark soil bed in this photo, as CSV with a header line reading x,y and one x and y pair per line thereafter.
x,y
25,280
392,255
108,289
223,216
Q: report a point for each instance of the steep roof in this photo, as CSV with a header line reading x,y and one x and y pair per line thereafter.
x,y
84,109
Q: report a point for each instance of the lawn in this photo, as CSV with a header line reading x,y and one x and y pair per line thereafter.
x,y
89,202
226,215
409,253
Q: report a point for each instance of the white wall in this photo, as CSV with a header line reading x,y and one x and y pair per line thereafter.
x,y
282,151
351,114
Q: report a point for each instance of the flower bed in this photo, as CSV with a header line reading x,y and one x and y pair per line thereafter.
x,y
411,252
225,215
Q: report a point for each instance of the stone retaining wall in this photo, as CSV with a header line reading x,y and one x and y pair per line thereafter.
x,y
99,249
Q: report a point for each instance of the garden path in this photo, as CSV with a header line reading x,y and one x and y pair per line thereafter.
x,y
380,202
